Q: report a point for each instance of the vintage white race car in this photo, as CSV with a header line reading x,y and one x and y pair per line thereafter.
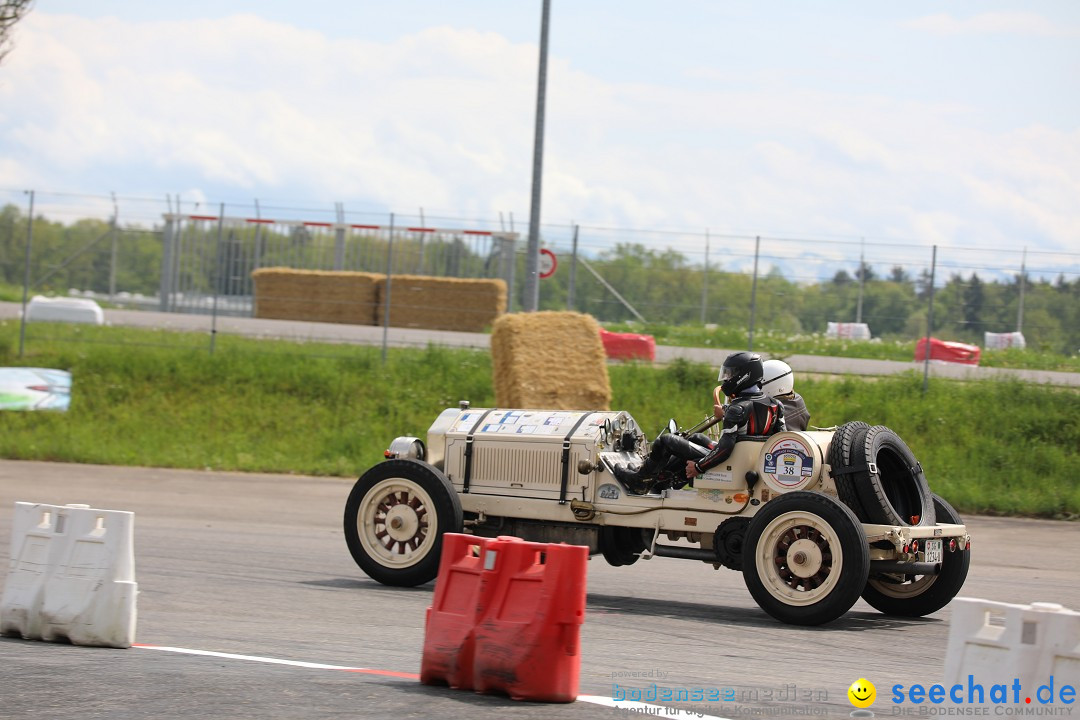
x,y
812,519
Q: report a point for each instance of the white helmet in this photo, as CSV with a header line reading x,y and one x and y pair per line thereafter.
x,y
779,378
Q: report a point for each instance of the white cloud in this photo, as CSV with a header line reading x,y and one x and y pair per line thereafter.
x,y
993,23
443,118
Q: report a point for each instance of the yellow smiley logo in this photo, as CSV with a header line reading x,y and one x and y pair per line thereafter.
x,y
862,693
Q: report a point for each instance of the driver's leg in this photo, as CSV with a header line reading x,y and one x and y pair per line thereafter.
x,y
640,480
680,449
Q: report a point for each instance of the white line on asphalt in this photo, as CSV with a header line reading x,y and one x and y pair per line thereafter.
x,y
278,661
657,710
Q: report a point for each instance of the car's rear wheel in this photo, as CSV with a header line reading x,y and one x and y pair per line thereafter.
x,y
395,518
805,558
919,595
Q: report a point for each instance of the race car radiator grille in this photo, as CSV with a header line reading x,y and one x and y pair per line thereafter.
x,y
519,467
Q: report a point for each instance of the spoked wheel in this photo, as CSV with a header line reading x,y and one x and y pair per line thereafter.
x,y
805,558
919,595
395,518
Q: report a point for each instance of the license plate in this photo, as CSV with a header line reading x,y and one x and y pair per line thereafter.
x,y
933,551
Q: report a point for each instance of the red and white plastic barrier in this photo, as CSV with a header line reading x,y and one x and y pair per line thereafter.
x,y
71,576
506,617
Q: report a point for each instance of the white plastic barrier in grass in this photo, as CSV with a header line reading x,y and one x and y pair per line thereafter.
x,y
999,642
78,310
1001,341
847,331
71,576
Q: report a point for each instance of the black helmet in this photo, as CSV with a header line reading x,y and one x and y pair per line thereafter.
x,y
741,370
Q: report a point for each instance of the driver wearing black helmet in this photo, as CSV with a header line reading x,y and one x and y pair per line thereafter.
x,y
749,412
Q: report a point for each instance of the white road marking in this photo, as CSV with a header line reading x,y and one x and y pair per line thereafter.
x,y
640,707
278,661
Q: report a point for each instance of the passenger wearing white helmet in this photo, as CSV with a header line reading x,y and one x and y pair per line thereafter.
x,y
779,383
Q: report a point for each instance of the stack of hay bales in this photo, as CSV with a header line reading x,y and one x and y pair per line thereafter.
x,y
439,303
316,295
549,360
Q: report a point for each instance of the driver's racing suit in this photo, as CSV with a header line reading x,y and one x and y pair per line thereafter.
x,y
750,413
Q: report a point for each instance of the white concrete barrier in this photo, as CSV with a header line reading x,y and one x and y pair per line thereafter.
x,y
71,576
999,642
63,309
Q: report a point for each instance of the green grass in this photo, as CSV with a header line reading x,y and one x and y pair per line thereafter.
x,y
162,399
10,293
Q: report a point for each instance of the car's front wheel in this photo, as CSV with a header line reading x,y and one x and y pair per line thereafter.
x,y
395,518
805,558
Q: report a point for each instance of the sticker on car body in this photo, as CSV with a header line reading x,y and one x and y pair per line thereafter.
x,y
607,491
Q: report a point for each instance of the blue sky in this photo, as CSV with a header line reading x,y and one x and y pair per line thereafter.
x,y
918,123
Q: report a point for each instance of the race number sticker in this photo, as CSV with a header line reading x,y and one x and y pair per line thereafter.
x,y
789,463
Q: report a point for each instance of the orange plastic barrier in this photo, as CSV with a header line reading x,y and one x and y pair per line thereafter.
x,y
527,641
454,612
948,351
628,346
508,621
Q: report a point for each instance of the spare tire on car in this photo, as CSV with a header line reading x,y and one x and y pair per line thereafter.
x,y
878,477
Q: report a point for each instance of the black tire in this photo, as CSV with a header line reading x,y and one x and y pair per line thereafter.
x,y
395,518
621,545
920,595
729,541
844,440
822,539
892,491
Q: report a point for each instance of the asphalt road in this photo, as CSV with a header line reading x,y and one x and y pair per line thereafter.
x,y
415,337
256,566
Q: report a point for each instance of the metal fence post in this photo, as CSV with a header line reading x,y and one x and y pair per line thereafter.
x,y
26,273
573,272
217,279
705,279
753,293
1020,304
112,256
420,255
929,323
168,261
507,262
862,282
339,237
389,271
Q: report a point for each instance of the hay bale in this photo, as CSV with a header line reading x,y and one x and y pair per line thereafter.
x,y
549,360
315,295
438,303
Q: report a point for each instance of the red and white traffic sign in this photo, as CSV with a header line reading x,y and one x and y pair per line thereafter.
x,y
548,263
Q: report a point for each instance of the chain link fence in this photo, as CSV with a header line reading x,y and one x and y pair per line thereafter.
x,y
182,257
